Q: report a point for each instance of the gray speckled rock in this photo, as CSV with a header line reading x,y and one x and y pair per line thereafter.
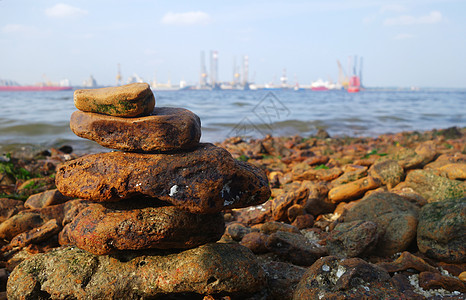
x,y
351,239
294,247
71,273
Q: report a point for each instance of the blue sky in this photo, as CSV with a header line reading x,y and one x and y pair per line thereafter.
x,y
403,43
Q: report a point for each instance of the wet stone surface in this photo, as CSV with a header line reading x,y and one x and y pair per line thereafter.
x,y
204,180
165,129
109,227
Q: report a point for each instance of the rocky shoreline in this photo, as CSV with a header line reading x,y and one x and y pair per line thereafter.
x,y
348,218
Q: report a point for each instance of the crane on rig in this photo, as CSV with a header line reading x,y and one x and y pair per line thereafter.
x,y
343,79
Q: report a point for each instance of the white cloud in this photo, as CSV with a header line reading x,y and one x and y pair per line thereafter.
x,y
186,18
62,10
403,36
432,18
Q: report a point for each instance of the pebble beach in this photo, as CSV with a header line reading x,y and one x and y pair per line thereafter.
x,y
161,215
379,218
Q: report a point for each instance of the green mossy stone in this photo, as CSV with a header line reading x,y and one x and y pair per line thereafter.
x,y
441,232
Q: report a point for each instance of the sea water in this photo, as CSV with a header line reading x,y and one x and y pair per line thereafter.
x,y
40,120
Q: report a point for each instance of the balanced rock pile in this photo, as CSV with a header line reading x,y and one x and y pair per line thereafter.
x,y
153,210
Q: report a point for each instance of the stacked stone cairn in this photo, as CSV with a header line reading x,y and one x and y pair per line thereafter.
x,y
154,208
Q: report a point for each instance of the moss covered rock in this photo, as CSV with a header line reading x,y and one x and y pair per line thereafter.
x,y
71,273
129,100
433,187
441,231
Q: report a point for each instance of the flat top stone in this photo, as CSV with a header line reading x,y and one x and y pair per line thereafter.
x,y
165,129
206,179
129,100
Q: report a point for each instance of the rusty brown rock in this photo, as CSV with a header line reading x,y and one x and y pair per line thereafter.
x,y
255,241
205,180
165,129
462,276
31,218
353,278
446,159
47,198
453,171
303,221
71,273
109,227
254,214
318,203
407,261
36,235
319,174
281,204
10,207
19,223
402,283
351,173
129,100
396,220
72,209
294,211
353,190
271,227
435,280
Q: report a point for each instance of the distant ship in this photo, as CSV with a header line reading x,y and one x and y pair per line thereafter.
x,y
12,86
320,85
33,88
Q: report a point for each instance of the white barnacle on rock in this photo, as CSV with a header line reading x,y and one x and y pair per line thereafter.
x,y
340,271
325,268
173,190
312,237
